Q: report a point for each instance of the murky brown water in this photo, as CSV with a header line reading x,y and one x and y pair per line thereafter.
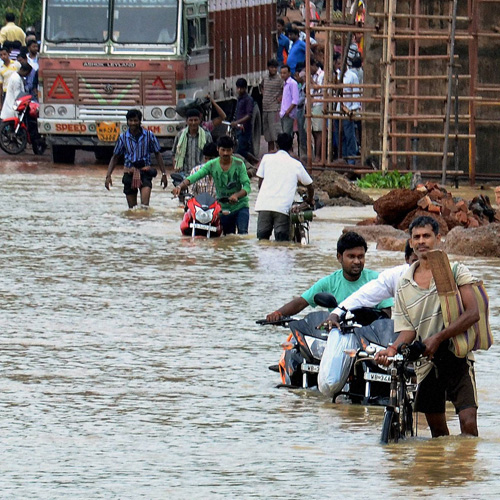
x,y
131,365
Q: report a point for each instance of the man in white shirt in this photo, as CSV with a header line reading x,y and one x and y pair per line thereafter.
x,y
373,292
278,175
348,108
318,76
14,88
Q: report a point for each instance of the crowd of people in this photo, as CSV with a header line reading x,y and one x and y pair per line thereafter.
x,y
211,167
291,52
19,64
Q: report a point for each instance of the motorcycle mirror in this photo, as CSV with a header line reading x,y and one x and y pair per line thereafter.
x,y
327,300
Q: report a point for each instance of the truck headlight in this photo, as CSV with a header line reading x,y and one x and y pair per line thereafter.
x,y
50,110
170,113
156,113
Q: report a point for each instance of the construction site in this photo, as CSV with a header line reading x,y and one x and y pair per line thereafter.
x,y
430,95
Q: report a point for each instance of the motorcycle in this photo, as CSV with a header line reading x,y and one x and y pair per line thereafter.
x,y
18,131
201,216
364,328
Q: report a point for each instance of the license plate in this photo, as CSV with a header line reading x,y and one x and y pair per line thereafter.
x,y
377,377
306,367
205,227
108,131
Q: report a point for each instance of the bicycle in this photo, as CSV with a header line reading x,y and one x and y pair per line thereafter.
x,y
398,415
301,214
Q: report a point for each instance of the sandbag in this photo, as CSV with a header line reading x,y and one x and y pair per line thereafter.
x,y
335,363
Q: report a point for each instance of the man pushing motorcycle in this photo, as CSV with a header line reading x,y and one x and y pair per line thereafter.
x,y
351,251
231,181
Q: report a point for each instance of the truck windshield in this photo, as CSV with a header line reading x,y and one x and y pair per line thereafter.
x,y
132,21
77,21
145,21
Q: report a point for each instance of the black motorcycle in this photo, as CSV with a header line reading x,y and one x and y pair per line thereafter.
x,y
363,383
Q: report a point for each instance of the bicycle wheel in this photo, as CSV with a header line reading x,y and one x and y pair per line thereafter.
x,y
407,419
390,431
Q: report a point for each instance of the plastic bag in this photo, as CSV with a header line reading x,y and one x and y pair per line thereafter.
x,y
335,363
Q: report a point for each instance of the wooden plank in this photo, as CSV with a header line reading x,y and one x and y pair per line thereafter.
x,y
442,273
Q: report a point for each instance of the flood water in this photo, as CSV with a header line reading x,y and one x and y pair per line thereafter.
x,y
132,367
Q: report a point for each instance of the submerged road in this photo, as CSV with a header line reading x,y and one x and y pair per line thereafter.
x,y
132,367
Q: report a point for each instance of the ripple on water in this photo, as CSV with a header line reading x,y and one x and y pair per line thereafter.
x,y
131,365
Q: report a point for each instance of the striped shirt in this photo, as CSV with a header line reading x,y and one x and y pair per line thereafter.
x,y
205,185
194,155
419,309
272,90
137,148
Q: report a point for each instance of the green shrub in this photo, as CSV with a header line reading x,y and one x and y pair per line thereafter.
x,y
385,180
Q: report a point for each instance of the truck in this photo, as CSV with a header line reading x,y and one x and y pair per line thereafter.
x,y
100,58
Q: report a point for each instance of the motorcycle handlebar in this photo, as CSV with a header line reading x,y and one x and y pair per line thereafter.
x,y
283,321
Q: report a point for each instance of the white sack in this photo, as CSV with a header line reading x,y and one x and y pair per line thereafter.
x,y
335,363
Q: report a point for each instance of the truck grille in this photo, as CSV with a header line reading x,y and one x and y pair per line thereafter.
x,y
102,113
101,89
109,89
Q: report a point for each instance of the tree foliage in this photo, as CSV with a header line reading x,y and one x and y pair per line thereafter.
x,y
27,12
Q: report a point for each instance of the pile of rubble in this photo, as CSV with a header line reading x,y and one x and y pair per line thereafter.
x,y
471,228
400,206
335,189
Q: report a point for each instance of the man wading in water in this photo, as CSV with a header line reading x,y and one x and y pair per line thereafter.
x,y
418,314
137,144
231,181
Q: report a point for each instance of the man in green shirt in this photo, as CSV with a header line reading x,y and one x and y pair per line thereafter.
x,y
231,181
351,250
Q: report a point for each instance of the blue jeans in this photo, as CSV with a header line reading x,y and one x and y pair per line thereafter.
x,y
301,128
244,143
238,219
349,144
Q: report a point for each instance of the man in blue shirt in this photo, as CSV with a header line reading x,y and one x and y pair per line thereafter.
x,y
136,145
282,41
297,51
243,121
351,250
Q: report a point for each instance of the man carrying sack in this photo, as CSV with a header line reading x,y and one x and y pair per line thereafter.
x,y
418,315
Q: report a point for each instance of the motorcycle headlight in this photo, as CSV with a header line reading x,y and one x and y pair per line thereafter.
x,y
316,346
204,216
16,104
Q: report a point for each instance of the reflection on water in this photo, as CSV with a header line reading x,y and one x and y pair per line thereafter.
x,y
449,462
131,365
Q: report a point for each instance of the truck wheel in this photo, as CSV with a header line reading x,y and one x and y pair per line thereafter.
x,y
256,130
63,154
103,154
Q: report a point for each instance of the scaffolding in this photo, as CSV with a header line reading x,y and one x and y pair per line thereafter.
x,y
424,95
